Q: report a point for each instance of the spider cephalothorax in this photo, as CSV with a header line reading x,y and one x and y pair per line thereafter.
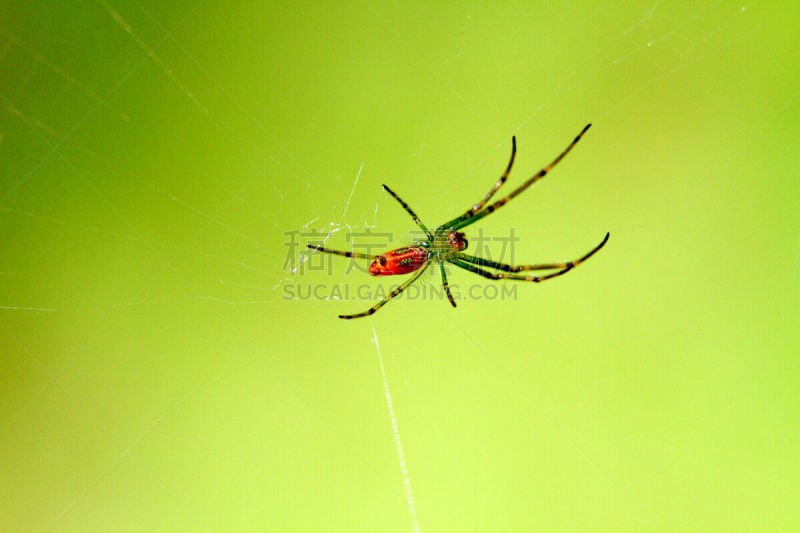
x,y
447,244
457,241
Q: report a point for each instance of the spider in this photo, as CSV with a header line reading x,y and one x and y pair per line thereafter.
x,y
447,243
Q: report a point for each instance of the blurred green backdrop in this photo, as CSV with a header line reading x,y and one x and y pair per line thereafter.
x,y
159,160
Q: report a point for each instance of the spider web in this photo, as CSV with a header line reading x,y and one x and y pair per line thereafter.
x,y
143,286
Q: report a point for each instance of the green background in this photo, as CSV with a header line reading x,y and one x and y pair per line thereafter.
x,y
155,158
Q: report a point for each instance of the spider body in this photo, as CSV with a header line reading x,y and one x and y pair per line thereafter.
x,y
447,243
456,241
399,261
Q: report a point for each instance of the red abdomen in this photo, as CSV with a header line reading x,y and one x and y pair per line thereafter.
x,y
399,261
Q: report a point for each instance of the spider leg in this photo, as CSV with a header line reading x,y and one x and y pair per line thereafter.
x,y
471,263
357,255
479,261
477,207
445,284
499,275
391,295
410,212
460,222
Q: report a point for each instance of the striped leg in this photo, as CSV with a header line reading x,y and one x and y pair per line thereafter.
x,y
472,264
357,255
410,212
460,223
543,266
391,295
477,207
445,284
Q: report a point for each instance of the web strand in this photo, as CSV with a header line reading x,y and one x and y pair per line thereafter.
x,y
401,457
